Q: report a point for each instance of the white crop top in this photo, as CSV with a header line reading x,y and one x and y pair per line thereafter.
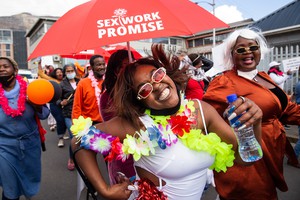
x,y
184,170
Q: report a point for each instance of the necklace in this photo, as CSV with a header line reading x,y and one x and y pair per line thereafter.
x,y
164,132
167,130
95,86
21,101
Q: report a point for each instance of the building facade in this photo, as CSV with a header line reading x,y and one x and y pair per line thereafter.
x,y
13,42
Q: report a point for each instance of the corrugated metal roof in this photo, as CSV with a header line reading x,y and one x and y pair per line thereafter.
x,y
286,16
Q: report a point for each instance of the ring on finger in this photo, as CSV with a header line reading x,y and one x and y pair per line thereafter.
x,y
243,99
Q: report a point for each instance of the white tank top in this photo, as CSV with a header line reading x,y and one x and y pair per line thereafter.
x,y
184,170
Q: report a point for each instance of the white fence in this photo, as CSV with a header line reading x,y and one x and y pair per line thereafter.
x,y
278,54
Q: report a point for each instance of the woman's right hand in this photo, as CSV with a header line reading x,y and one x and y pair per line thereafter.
x,y
251,113
118,191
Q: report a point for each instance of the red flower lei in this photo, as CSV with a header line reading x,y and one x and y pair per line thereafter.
x,y
21,101
179,123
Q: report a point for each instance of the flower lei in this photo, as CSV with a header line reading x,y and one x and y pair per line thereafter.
x,y
165,132
168,129
95,86
96,140
21,101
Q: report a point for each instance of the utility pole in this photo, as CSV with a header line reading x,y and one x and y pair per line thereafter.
x,y
213,11
214,30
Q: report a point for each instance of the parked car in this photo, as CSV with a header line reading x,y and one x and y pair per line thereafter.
x,y
27,74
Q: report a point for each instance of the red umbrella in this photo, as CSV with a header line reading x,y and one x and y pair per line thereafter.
x,y
112,49
101,22
87,54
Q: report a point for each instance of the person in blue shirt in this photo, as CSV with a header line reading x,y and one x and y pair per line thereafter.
x,y
20,142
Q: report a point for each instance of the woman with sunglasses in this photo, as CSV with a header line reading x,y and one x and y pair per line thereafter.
x,y
173,141
244,49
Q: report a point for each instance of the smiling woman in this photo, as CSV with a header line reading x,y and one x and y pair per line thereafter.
x,y
161,130
244,49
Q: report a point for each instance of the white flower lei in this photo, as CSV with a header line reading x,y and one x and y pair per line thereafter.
x,y
95,86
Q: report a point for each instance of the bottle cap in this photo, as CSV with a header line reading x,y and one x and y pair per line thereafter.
x,y
231,98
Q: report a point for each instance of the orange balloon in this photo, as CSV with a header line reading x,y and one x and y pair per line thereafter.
x,y
40,91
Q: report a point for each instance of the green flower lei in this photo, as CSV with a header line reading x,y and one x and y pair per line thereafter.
x,y
191,138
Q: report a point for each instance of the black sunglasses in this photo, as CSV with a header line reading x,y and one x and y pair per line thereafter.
x,y
246,49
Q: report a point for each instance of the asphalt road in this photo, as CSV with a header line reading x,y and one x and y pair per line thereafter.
x,y
58,183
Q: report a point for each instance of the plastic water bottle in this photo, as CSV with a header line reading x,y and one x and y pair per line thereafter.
x,y
249,148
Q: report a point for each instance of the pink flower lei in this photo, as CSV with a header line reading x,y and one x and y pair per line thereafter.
x,y
21,101
95,86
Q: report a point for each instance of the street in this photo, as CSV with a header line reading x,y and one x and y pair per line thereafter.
x,y
60,183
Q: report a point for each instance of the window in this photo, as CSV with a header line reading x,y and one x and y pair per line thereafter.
x,y
161,40
208,40
221,38
7,50
8,54
190,43
6,36
146,40
198,42
175,41
37,35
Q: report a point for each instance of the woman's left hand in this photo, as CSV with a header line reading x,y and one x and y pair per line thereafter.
x,y
37,108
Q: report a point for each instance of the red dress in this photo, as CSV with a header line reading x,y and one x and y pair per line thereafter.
x,y
260,180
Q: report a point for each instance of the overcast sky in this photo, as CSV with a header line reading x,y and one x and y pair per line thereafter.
x,y
226,10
